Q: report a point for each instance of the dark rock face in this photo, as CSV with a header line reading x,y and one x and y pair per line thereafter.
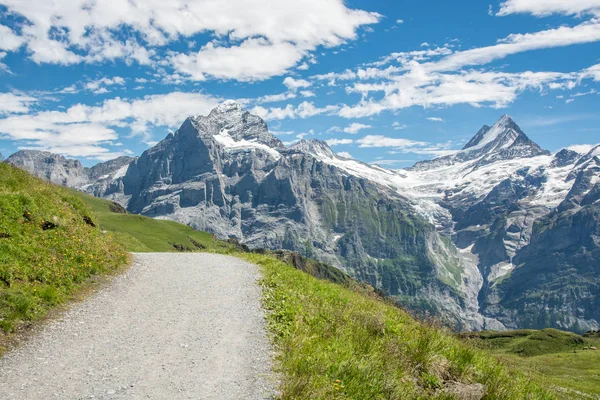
x,y
557,279
104,169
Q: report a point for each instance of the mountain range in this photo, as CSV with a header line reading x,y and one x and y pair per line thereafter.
x,y
501,234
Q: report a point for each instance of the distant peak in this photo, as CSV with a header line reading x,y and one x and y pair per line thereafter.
x,y
503,129
508,122
227,106
315,147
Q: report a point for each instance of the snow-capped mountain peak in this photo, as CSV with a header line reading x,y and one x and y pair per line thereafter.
x,y
502,141
230,123
227,107
502,134
314,147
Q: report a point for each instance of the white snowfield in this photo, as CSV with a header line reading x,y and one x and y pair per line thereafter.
x,y
427,186
229,143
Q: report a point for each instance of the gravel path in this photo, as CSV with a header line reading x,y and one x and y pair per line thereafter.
x,y
175,326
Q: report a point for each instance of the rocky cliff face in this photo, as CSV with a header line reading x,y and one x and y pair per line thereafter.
x,y
500,234
52,167
59,170
530,220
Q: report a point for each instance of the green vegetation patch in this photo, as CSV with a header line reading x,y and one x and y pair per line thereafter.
x,y
50,244
528,342
144,234
564,362
340,342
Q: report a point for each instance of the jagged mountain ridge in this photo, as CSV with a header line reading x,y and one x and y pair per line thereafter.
x,y
441,236
67,172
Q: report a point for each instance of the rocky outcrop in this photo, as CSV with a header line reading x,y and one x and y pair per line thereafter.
x,y
52,167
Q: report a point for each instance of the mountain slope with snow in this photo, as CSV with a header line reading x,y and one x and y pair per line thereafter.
x,y
459,236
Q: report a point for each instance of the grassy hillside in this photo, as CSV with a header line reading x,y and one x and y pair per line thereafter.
x,y
143,234
340,342
50,245
562,361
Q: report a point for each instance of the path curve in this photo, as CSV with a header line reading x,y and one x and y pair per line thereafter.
x,y
175,326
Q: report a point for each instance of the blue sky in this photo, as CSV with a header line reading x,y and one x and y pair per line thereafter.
x,y
381,81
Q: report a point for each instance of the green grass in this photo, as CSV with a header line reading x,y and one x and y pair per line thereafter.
x,y
339,342
143,234
50,246
528,342
556,359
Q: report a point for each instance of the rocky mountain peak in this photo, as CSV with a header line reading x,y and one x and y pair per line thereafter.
x,y
227,107
52,167
478,137
502,141
314,147
229,120
502,134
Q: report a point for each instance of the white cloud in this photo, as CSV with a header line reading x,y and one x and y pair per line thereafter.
x,y
74,31
355,127
294,84
436,77
272,98
98,86
69,90
244,62
345,154
435,119
383,141
9,40
302,135
337,142
586,32
3,67
401,145
398,126
307,93
14,103
399,21
419,87
546,7
280,133
303,110
86,131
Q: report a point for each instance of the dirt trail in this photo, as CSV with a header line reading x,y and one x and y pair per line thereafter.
x,y
175,326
